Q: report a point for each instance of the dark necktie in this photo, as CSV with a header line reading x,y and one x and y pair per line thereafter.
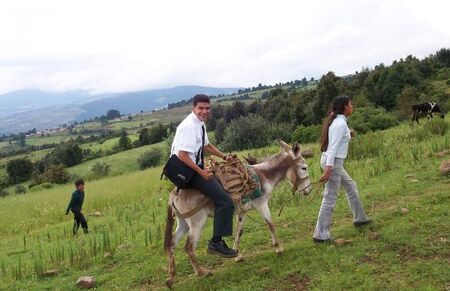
x,y
200,160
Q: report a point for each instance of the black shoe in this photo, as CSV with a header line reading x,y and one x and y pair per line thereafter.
x,y
361,223
322,241
220,248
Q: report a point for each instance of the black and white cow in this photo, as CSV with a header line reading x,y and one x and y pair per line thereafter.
x,y
427,109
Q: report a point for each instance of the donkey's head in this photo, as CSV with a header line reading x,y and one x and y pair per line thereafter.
x,y
297,173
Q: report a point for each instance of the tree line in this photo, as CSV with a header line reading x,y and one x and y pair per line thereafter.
x,y
52,168
382,96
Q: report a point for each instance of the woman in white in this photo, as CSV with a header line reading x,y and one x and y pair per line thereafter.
x,y
334,146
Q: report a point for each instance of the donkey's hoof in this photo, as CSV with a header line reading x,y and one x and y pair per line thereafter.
x,y
169,283
239,258
279,251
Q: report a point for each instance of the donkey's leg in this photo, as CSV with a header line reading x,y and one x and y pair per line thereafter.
x,y
182,228
172,270
173,239
196,224
237,238
265,212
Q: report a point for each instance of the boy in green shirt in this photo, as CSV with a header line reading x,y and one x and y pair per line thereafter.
x,y
75,205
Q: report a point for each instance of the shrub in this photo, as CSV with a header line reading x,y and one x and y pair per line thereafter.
x,y
253,131
310,134
3,183
153,135
19,170
157,133
20,189
143,136
135,144
152,158
220,130
371,119
167,145
281,131
99,170
124,142
69,154
56,174
112,114
3,193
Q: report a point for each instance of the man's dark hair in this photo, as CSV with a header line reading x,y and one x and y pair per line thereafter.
x,y
79,182
200,98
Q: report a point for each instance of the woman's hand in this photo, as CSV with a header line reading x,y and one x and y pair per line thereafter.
x,y
326,175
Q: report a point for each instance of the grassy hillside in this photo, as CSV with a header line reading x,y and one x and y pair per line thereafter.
x,y
122,162
54,138
403,249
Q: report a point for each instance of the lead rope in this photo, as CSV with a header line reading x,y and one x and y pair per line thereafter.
x,y
308,203
293,195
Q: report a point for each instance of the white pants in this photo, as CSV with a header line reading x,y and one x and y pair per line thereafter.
x,y
338,176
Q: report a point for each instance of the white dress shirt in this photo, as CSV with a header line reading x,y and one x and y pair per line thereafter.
x,y
188,137
338,140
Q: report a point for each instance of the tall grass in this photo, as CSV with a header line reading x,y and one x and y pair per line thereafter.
x,y
36,236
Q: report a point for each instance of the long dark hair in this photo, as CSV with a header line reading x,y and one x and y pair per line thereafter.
x,y
337,107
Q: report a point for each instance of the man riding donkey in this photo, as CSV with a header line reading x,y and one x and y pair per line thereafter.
x,y
189,144
247,187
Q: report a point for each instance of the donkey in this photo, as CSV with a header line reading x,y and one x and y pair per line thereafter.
x,y
287,164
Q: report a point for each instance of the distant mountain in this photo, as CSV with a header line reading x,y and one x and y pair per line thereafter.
x,y
27,109
133,102
40,118
29,100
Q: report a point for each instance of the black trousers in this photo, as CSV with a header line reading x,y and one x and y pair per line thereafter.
x,y
223,215
78,219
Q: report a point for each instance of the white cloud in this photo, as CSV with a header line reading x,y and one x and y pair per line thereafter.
x,y
129,45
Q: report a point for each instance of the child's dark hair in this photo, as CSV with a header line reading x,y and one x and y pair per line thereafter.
x,y
200,98
337,107
79,182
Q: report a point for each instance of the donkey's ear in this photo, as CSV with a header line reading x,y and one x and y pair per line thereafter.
x,y
284,145
296,149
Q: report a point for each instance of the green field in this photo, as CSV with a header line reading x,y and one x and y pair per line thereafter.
x,y
108,144
54,138
122,162
402,249
140,120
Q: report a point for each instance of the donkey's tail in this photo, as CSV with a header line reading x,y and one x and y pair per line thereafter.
x,y
169,227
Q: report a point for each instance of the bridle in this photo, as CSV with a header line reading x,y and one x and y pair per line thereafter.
x,y
298,181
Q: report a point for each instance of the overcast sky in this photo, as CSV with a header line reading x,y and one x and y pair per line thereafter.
x,y
109,46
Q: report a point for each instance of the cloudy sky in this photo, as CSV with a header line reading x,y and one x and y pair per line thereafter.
x,y
108,46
